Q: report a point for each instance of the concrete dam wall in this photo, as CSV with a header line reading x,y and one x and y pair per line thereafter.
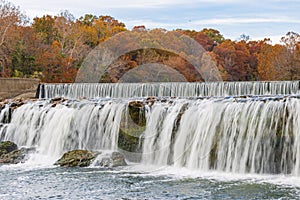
x,y
18,87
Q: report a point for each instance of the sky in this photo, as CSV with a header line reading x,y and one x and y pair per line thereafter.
x,y
257,18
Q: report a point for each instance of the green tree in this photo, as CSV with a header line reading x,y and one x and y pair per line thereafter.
x,y
10,18
215,35
45,28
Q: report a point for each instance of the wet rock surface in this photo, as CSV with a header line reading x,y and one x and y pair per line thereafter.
x,y
10,154
77,158
85,158
7,147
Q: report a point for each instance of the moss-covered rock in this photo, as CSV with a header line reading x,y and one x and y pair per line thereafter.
x,y
16,156
129,140
7,147
133,124
84,158
77,158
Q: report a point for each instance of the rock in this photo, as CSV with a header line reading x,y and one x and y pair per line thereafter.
x,y
77,158
150,100
16,156
110,159
136,112
136,104
57,100
7,147
129,138
118,159
132,126
16,103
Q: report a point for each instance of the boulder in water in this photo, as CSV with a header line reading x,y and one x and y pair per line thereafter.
x,y
77,158
84,158
16,156
7,147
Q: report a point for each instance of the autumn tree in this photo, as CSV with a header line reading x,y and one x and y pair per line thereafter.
x,y
45,28
291,42
10,18
272,62
235,58
215,35
24,54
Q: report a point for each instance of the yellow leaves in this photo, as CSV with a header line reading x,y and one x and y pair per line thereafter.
x,y
272,63
56,44
227,44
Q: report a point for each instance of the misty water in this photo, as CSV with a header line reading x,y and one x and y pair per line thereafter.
x,y
208,145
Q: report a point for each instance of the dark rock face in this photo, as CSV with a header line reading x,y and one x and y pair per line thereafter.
x,y
76,158
132,126
7,147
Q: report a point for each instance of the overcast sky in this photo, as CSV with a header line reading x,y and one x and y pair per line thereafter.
x,y
256,18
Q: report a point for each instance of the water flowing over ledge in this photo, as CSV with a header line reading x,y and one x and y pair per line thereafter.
x,y
240,135
176,89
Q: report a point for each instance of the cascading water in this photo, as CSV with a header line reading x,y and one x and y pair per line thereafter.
x,y
181,140
242,135
177,89
70,125
232,135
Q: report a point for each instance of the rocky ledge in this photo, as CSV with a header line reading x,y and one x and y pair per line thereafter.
x,y
85,158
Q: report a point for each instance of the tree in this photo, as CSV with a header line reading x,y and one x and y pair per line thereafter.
x,y
45,28
235,59
10,18
215,35
272,62
107,26
291,42
23,55
87,19
244,37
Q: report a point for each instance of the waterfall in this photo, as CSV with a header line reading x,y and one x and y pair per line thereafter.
x,y
178,89
252,136
67,126
240,127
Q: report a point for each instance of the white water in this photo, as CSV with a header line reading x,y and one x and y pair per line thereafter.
x,y
225,135
68,126
238,135
178,89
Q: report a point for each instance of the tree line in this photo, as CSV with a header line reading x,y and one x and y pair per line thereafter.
x,y
53,48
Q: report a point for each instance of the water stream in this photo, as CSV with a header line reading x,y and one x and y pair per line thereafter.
x,y
230,140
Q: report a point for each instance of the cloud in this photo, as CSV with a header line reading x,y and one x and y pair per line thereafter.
x,y
117,4
232,17
217,21
245,21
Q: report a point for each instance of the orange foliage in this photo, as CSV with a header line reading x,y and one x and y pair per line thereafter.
x,y
55,46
